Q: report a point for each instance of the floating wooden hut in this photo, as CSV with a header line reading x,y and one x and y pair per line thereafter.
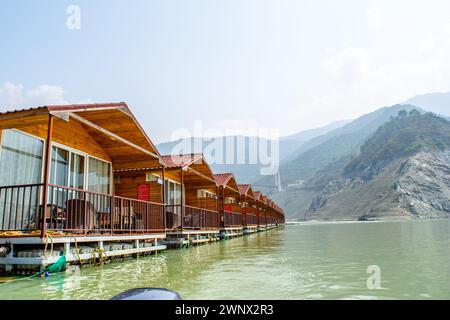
x,y
86,183
231,216
249,210
60,184
191,199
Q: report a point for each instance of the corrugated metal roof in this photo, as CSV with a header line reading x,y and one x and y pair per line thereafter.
x,y
71,107
243,188
222,178
89,107
181,161
22,110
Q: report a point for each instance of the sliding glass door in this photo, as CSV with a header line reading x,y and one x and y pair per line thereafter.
x,y
99,177
20,158
20,173
77,171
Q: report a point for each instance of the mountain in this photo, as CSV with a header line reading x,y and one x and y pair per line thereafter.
x,y
401,171
326,149
236,147
434,102
307,135
241,145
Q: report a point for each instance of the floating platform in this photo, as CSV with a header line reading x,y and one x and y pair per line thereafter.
x,y
185,238
250,229
231,232
35,253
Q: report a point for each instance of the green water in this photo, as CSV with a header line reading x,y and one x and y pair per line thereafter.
x,y
320,261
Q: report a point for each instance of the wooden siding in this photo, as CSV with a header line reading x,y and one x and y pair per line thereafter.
x,y
71,134
128,187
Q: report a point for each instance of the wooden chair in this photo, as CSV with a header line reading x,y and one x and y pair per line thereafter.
x,y
77,220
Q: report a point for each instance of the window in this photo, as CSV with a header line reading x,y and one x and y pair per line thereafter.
x,y
230,200
203,193
69,168
77,164
59,167
99,176
173,192
20,158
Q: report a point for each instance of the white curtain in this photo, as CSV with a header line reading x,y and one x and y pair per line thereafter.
x,y
20,163
20,159
99,178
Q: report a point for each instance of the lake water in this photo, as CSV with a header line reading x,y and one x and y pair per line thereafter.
x,y
310,261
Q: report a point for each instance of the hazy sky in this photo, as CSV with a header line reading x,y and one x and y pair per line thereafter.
x,y
283,64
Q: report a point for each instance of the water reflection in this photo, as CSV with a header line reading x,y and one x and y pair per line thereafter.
x,y
321,261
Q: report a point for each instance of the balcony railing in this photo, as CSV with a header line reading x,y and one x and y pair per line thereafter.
x,y
193,218
251,220
20,207
76,211
232,219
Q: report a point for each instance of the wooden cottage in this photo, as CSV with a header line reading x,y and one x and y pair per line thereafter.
x,y
191,193
62,174
230,209
249,210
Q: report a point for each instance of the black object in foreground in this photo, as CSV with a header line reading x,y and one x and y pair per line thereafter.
x,y
148,294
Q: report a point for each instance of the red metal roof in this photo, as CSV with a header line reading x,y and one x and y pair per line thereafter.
x,y
74,107
182,160
246,189
222,179
264,199
89,107
243,188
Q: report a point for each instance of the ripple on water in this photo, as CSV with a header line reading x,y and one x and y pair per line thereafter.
x,y
298,262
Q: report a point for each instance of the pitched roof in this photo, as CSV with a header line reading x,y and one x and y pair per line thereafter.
x,y
182,160
72,107
115,123
246,189
263,198
243,188
222,179
226,180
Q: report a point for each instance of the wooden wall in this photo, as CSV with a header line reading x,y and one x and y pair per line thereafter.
x,y
191,199
71,134
128,187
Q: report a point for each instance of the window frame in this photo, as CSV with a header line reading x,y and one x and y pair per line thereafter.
x,y
44,147
86,165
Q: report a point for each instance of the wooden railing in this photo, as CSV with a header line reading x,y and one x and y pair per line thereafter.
x,y
198,218
233,219
251,220
81,211
76,211
20,207
192,218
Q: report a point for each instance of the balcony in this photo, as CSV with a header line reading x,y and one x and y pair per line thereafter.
x,y
76,211
192,218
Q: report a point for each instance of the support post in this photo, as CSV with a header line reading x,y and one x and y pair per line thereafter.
x,y
163,198
48,153
182,199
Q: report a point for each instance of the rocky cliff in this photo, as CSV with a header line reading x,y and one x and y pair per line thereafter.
x,y
403,171
416,187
